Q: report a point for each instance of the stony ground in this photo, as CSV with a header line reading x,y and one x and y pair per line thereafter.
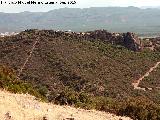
x,y
26,107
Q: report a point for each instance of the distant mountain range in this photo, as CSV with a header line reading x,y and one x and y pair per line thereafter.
x,y
117,19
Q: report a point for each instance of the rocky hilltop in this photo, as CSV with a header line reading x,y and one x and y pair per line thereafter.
x,y
152,43
128,40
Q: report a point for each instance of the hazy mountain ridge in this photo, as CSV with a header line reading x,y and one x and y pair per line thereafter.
x,y
121,19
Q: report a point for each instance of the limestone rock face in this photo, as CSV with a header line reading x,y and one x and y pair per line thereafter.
x,y
128,40
131,41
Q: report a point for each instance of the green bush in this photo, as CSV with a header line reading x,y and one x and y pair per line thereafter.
x,y
9,81
140,108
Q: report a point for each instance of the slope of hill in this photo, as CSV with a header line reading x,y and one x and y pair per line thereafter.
x,y
137,82
115,19
153,80
90,74
26,107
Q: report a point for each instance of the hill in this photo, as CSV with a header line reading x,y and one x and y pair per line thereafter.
x,y
86,73
115,19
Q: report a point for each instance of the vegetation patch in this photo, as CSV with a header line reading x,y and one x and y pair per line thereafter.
x,y
90,74
9,82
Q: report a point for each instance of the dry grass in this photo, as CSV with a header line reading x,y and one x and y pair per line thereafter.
x,y
26,107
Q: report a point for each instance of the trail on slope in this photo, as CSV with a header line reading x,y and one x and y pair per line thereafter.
x,y
27,59
137,82
26,107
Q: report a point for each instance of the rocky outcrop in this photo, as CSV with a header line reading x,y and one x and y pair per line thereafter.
x,y
152,44
128,40
131,41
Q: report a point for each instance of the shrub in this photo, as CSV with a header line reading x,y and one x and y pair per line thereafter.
x,y
9,81
140,108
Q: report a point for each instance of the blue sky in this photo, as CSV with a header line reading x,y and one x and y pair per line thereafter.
x,y
79,4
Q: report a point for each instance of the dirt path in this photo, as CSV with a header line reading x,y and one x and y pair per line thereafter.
x,y
26,107
28,57
137,82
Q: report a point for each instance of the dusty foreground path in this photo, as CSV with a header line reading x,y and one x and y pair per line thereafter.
x,y
25,107
137,82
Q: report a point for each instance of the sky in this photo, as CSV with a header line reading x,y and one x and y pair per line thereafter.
x,y
79,4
